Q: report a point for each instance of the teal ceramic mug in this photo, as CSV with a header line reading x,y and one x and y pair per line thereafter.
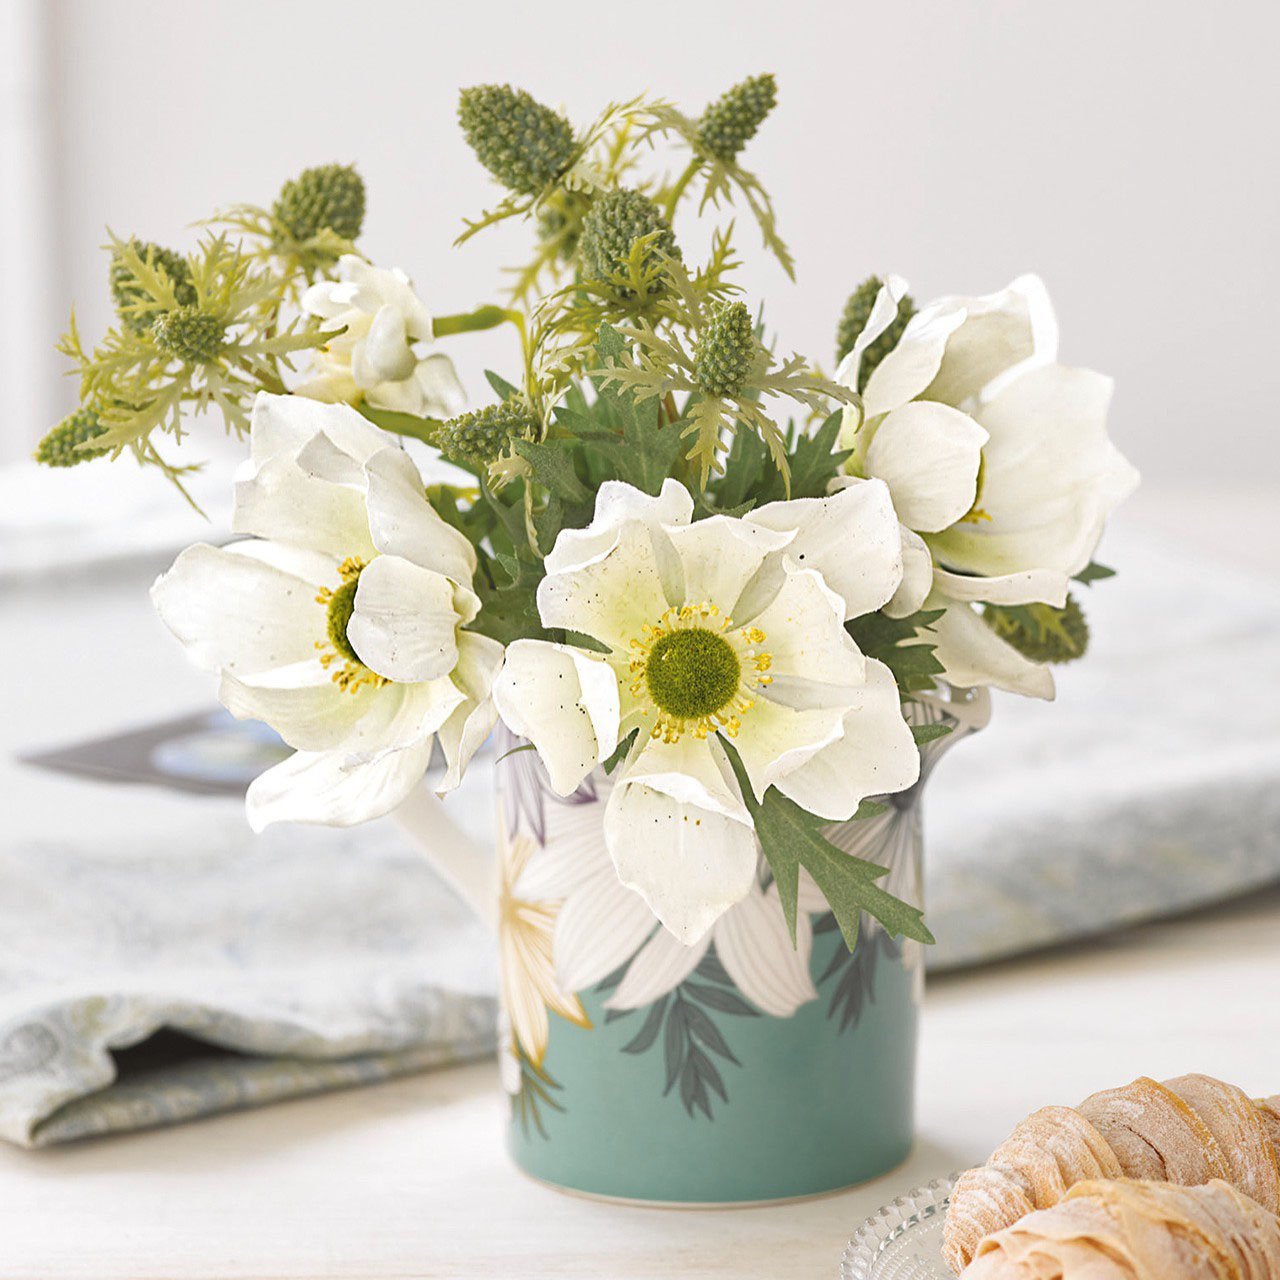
x,y
739,1070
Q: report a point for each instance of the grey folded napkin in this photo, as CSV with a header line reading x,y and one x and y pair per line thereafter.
x,y
269,969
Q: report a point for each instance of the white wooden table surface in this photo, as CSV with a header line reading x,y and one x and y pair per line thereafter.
x,y
410,1179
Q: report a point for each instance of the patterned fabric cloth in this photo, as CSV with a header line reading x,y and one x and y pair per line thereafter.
x,y
300,966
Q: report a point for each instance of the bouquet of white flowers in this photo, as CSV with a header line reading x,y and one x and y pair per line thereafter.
x,y
676,555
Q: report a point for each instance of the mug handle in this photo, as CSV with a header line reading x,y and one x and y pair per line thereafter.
x,y
467,866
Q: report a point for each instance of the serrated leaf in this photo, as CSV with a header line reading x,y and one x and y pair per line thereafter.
x,y
553,469
792,838
815,461
639,451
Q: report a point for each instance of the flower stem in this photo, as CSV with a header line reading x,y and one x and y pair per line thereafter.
x,y
403,424
673,199
486,317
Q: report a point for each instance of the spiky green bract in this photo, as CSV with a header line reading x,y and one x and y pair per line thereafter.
x,y
854,319
60,446
1041,632
522,143
132,300
613,224
731,121
192,335
726,350
329,197
482,437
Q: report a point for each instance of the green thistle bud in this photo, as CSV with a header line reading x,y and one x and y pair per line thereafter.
x,y
726,350
127,290
522,143
1041,632
193,335
613,224
857,311
329,197
61,445
731,121
484,436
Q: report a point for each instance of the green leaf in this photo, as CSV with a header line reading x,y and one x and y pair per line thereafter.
x,y
502,388
403,424
637,449
923,733
792,838
553,468
914,665
620,752
1094,572
815,461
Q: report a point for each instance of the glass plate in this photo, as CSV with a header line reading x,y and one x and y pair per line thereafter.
x,y
902,1241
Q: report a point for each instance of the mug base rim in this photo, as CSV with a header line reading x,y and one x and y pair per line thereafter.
x,y
640,1202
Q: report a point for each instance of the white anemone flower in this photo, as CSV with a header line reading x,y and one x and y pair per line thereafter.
x,y
724,626
340,620
999,463
602,925
375,357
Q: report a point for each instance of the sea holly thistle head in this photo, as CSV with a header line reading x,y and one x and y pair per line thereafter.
x,y
190,334
136,299
71,441
726,351
213,340
524,144
329,197
857,311
611,230
716,139
483,437
731,121
312,222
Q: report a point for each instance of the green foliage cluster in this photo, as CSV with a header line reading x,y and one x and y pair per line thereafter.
x,y
208,330
1041,632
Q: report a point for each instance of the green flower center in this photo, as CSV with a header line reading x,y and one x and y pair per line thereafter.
x,y
337,654
342,604
692,673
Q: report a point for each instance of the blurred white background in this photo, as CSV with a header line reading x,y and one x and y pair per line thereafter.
x,y
1126,151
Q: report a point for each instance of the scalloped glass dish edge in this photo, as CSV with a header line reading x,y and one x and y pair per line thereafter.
x,y
901,1241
